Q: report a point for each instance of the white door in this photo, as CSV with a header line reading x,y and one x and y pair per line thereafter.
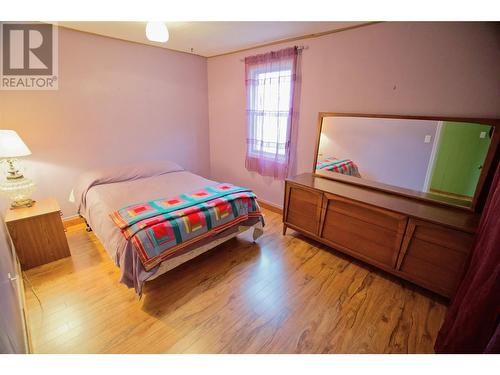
x,y
12,323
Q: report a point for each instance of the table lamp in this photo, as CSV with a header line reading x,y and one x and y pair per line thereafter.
x,y
17,187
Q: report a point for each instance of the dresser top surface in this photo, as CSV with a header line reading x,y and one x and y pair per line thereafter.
x,y
450,216
41,207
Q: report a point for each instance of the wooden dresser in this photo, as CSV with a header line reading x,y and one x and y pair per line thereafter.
x,y
427,244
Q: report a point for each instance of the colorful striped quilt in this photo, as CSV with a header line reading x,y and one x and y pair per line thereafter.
x,y
160,228
343,166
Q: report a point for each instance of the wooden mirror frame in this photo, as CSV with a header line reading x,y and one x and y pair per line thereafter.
x,y
483,184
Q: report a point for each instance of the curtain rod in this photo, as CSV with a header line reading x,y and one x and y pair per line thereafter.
x,y
299,48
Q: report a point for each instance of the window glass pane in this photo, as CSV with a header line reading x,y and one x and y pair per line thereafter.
x,y
270,105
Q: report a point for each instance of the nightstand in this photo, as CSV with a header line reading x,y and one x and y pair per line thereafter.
x,y
37,233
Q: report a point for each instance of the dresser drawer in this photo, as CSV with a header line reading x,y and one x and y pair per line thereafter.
x,y
373,233
434,256
303,208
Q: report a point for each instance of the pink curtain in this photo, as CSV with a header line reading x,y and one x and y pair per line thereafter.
x,y
272,111
472,321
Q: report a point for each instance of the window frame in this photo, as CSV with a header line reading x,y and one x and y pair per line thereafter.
x,y
253,74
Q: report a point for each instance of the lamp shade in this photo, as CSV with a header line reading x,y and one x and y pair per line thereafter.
x,y
157,32
11,145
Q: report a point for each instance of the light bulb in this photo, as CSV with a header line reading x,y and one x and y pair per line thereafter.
x,y
157,32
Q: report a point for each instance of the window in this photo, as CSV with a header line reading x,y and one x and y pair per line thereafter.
x,y
270,80
270,100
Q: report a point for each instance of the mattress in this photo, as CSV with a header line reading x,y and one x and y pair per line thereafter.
x,y
98,200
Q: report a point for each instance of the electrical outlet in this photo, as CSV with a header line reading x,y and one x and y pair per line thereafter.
x,y
427,139
482,135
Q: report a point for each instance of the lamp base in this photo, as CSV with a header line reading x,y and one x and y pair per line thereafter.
x,y
22,203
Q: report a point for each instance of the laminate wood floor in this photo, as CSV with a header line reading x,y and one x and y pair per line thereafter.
x,y
284,294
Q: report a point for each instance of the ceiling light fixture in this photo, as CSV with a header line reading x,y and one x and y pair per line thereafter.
x,y
157,32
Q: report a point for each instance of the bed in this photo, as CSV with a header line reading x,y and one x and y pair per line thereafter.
x,y
100,193
343,166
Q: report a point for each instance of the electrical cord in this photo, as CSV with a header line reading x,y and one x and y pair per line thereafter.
x,y
25,277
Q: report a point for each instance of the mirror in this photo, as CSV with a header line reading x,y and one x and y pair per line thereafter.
x,y
431,158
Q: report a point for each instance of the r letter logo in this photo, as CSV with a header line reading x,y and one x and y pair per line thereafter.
x,y
28,56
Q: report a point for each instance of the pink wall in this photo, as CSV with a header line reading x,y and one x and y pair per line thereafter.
x,y
390,151
121,102
395,68
117,102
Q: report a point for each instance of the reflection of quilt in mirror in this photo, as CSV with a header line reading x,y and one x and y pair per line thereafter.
x,y
343,166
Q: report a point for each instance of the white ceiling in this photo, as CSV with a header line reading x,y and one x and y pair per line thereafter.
x,y
210,38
